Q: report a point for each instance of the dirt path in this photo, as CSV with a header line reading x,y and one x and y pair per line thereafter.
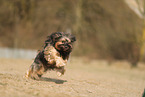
x,y
82,79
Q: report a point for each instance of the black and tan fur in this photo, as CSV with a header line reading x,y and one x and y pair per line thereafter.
x,y
54,56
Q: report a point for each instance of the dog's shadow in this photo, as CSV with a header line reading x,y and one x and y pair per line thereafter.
x,y
57,81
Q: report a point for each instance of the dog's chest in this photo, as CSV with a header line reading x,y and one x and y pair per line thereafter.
x,y
50,53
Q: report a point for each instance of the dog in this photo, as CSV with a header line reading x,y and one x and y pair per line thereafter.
x,y
54,55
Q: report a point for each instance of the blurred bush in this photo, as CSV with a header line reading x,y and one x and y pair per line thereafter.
x,y
104,29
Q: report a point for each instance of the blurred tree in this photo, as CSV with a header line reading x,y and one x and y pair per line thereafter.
x,y
143,95
103,29
22,12
141,8
78,16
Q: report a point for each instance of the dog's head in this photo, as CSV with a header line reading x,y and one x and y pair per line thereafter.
x,y
62,41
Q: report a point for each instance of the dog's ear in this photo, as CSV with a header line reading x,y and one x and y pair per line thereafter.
x,y
47,41
56,36
53,38
73,38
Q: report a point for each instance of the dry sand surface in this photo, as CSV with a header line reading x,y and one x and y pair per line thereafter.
x,y
83,78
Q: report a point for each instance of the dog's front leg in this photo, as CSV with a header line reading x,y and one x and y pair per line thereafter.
x,y
60,62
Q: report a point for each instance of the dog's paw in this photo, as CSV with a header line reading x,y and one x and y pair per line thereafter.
x,y
59,74
60,63
60,71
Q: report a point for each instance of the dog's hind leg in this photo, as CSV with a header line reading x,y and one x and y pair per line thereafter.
x,y
35,71
38,71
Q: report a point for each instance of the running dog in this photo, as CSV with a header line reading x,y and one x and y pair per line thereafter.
x,y
54,55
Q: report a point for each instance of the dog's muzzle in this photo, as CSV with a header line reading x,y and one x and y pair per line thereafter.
x,y
67,47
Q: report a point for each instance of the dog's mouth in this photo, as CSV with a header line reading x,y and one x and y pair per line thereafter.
x,y
65,47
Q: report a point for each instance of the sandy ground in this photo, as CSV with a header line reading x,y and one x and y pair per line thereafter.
x,y
83,78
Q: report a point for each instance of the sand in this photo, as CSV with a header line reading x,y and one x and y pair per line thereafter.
x,y
83,78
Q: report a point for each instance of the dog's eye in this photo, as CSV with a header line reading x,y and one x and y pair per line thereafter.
x,y
63,41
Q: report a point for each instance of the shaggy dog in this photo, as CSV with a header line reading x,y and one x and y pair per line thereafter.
x,y
54,55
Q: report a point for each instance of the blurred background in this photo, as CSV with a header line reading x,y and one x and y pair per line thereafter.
x,y
105,29
110,41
